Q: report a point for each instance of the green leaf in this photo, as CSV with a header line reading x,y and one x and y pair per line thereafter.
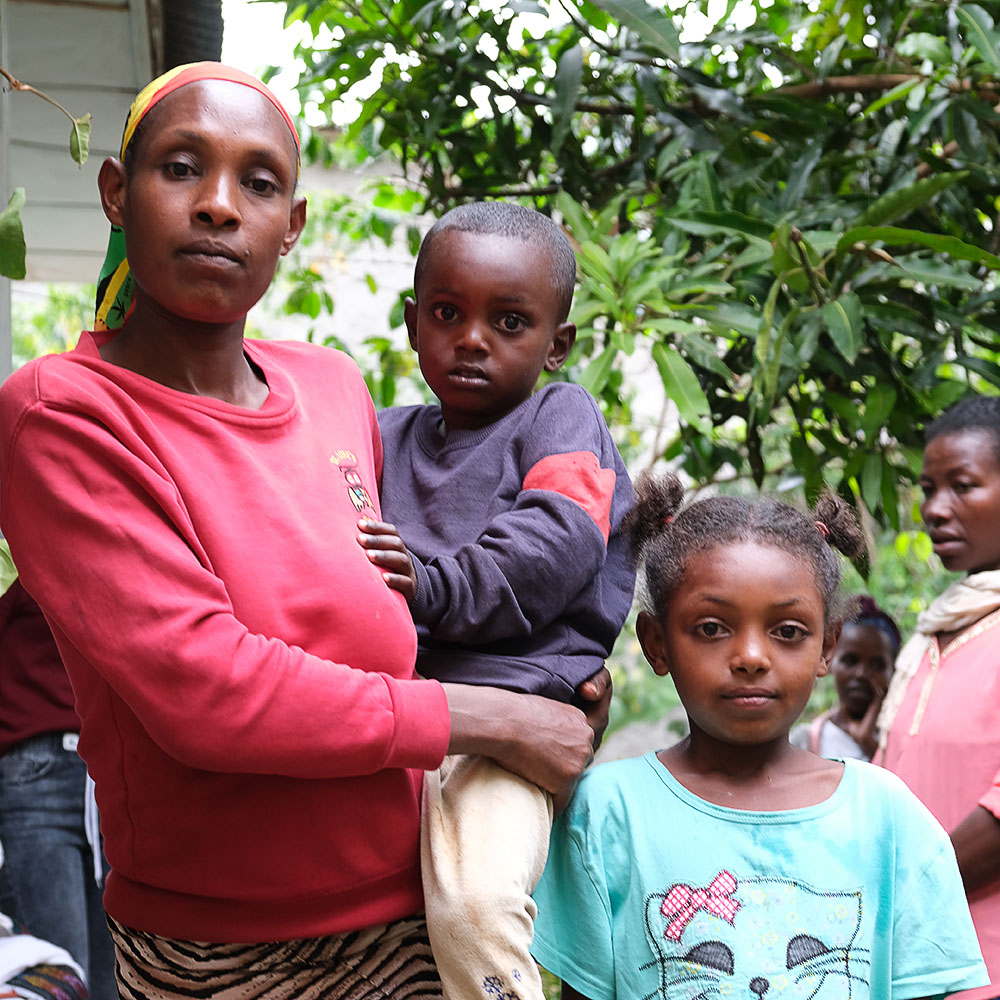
x,y
871,480
682,386
939,273
79,140
568,78
12,248
892,236
595,376
845,325
652,25
710,223
8,572
878,405
900,90
980,34
924,45
899,203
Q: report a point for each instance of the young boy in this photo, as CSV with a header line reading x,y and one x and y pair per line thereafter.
x,y
510,505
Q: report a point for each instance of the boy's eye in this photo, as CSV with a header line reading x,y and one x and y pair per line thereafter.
x,y
512,323
445,313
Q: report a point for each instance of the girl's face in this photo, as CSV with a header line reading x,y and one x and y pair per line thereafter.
x,y
861,667
743,637
960,479
208,205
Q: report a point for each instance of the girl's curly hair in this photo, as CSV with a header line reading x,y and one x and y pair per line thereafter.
x,y
666,535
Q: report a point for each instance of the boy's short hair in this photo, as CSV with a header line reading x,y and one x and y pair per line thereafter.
x,y
505,218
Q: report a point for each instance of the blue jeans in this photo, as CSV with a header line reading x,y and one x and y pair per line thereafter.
x,y
50,863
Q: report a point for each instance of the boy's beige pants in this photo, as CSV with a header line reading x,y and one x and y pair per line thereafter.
x,y
484,840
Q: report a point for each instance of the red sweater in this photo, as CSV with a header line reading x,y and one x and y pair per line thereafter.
x,y
243,674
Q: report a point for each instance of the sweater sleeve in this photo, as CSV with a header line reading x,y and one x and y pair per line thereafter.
x,y
102,541
531,560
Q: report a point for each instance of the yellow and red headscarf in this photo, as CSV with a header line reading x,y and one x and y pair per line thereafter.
x,y
115,287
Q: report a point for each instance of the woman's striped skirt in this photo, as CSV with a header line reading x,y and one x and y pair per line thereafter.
x,y
389,960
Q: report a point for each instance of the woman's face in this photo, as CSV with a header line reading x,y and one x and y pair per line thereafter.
x,y
960,480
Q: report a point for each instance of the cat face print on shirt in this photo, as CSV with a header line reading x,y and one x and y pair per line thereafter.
x,y
757,938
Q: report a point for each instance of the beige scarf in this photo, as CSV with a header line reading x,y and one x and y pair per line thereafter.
x,y
961,605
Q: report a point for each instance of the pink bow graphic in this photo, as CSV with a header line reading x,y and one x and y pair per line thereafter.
x,y
682,902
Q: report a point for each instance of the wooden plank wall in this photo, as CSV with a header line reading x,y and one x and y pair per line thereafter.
x,y
90,55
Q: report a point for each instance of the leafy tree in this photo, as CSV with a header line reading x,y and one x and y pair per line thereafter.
x,y
791,213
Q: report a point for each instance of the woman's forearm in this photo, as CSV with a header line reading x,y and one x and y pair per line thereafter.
x,y
544,741
977,846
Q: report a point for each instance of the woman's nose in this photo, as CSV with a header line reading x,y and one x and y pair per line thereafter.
x,y
217,202
935,508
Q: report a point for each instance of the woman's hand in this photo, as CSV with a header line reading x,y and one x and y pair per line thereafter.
x,y
386,550
546,742
594,698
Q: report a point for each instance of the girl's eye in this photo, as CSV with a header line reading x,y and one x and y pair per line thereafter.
x,y
790,631
709,629
512,323
445,313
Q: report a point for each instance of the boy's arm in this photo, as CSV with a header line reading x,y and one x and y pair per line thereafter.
x,y
532,559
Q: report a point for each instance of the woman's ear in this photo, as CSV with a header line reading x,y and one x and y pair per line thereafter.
x,y
296,223
650,634
112,183
830,639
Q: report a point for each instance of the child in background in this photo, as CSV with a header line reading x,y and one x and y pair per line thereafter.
x,y
862,666
510,505
735,864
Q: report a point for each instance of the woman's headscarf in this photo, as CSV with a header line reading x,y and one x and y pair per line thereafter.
x,y
115,287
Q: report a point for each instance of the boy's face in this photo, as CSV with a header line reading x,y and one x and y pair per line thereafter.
x,y
208,206
485,323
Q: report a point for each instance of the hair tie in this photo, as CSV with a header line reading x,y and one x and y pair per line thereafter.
x,y
822,529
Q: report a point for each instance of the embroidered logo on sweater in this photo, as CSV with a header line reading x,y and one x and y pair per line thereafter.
x,y
347,462
758,938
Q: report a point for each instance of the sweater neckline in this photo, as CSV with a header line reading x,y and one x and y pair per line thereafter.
x,y
276,408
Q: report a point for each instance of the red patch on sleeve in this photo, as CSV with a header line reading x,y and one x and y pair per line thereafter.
x,y
578,476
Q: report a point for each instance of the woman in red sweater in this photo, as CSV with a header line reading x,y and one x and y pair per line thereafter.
x,y
184,505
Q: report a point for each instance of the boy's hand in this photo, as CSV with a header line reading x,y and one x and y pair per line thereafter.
x,y
386,550
594,698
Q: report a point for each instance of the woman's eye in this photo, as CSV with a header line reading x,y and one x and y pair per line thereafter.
x,y
262,185
445,313
178,169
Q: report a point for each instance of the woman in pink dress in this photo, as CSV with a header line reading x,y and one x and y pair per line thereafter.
x,y
940,723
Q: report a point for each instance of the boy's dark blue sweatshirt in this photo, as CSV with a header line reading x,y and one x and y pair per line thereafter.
x,y
523,577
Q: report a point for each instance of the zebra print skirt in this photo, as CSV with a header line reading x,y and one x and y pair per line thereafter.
x,y
389,960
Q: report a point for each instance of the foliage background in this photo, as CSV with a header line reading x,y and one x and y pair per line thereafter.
x,y
786,216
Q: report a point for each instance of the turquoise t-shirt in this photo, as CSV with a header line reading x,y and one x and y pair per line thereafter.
x,y
651,892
